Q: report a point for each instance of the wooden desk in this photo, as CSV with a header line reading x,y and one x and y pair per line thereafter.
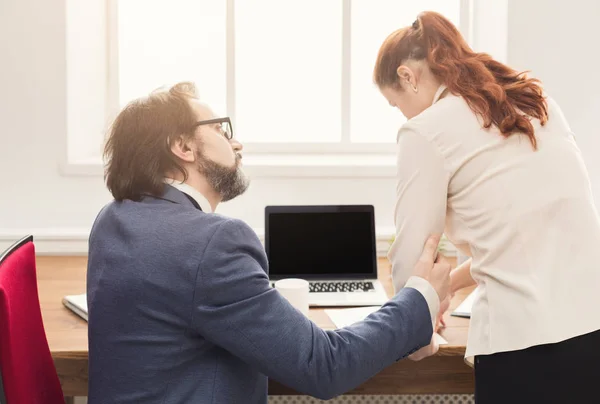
x,y
67,336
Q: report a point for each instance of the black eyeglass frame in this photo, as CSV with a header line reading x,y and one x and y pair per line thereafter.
x,y
226,119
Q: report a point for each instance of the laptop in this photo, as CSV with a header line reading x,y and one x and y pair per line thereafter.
x,y
332,247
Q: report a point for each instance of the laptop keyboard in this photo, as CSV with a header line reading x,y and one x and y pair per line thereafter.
x,y
316,287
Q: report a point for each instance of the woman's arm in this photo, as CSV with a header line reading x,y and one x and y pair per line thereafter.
x,y
460,277
421,192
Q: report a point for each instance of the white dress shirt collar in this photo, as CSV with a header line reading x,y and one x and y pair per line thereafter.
x,y
192,192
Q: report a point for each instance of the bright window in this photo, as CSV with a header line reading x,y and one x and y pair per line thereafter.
x,y
372,120
287,72
162,42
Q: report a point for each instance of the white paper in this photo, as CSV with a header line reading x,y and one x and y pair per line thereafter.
x,y
345,317
440,340
464,309
77,304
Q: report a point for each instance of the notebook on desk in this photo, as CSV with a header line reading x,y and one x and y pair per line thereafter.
x,y
464,309
77,304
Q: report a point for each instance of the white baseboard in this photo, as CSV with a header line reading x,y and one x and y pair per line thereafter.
x,y
50,241
74,241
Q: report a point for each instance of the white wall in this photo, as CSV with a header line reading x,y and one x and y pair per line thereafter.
x,y
60,209
557,41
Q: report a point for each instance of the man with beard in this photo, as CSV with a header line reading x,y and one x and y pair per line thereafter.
x,y
179,302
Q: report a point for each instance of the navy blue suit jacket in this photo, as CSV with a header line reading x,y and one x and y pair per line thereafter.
x,y
181,311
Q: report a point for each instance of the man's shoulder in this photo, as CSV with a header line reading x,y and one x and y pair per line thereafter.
x,y
188,226
233,230
175,234
218,225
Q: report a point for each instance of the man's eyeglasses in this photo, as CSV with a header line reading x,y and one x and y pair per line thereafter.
x,y
223,125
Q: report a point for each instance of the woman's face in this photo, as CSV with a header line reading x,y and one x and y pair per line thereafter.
x,y
407,102
414,89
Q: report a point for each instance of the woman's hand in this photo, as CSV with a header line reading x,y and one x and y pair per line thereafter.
x,y
460,278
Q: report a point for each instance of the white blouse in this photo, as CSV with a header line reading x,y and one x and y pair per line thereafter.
x,y
527,218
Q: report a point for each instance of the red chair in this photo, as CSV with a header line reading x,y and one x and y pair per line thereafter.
x,y
2,398
26,366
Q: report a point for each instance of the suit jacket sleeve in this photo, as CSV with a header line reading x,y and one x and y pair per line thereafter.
x,y
236,308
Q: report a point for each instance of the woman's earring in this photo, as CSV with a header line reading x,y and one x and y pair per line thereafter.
x,y
415,89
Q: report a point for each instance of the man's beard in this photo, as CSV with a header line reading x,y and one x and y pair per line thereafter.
x,y
228,182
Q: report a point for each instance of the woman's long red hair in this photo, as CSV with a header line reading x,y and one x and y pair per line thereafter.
x,y
501,96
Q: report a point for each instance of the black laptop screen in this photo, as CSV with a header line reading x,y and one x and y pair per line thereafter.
x,y
321,243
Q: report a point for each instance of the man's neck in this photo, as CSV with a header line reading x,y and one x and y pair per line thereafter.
x,y
199,183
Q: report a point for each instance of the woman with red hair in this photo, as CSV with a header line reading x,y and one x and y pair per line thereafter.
x,y
491,161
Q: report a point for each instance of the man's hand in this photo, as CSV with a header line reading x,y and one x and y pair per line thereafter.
x,y
436,273
444,306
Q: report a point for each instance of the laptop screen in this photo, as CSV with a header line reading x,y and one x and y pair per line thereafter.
x,y
320,242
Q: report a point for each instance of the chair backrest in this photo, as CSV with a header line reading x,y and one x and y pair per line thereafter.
x,y
2,398
26,365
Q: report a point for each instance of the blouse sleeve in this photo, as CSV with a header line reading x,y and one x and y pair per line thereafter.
x,y
420,210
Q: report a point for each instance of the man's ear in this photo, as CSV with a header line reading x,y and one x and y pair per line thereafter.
x,y
182,148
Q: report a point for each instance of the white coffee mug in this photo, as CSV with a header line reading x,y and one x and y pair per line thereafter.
x,y
295,291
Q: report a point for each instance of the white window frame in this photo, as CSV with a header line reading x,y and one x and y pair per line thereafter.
x,y
338,159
